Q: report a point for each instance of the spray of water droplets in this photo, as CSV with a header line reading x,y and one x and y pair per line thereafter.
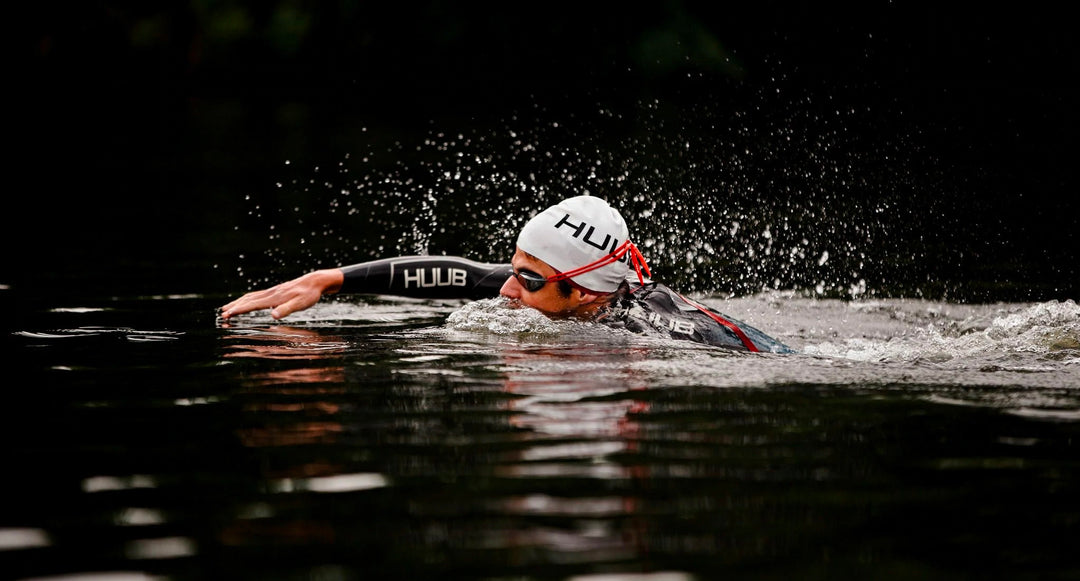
x,y
792,194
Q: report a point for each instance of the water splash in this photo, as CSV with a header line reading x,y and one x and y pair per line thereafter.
x,y
1050,330
502,316
790,193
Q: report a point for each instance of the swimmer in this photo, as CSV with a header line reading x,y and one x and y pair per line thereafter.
x,y
573,260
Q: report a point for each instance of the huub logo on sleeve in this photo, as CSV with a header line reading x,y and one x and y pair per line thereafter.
x,y
585,238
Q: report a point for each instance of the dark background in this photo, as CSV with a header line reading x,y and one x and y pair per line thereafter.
x,y
142,128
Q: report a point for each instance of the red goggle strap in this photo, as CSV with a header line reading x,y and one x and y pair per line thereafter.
x,y
636,259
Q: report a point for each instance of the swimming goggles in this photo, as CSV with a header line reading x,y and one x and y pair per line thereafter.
x,y
530,280
533,282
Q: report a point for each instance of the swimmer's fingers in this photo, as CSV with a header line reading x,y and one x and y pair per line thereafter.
x,y
288,297
253,301
232,305
303,292
297,302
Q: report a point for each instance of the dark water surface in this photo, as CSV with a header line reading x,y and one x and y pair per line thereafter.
x,y
891,190
409,439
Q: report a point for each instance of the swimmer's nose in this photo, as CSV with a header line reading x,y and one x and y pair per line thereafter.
x,y
511,289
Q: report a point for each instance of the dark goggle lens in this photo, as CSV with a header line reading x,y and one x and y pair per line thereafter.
x,y
530,280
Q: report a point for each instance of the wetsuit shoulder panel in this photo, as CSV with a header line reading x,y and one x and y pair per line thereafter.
x,y
657,308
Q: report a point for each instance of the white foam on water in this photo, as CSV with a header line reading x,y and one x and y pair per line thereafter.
x,y
502,316
1050,329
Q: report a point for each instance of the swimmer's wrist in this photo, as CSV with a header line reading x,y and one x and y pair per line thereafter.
x,y
329,280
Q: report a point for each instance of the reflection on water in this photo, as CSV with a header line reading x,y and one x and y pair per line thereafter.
x,y
366,441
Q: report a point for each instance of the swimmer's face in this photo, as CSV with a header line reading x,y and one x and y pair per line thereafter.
x,y
547,299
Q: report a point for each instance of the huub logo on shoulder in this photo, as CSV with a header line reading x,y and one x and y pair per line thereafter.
x,y
586,241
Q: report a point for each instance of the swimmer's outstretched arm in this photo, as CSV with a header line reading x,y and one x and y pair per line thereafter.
x,y
446,277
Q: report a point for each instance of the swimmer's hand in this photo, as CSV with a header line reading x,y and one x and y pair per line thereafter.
x,y
287,297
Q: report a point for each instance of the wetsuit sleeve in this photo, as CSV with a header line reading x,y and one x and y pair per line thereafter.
x,y
441,277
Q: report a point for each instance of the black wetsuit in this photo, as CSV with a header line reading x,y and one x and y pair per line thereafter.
x,y
650,308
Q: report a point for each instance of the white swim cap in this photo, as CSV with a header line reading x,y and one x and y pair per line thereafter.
x,y
578,232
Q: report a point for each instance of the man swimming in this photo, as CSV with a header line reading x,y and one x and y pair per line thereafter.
x,y
574,259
